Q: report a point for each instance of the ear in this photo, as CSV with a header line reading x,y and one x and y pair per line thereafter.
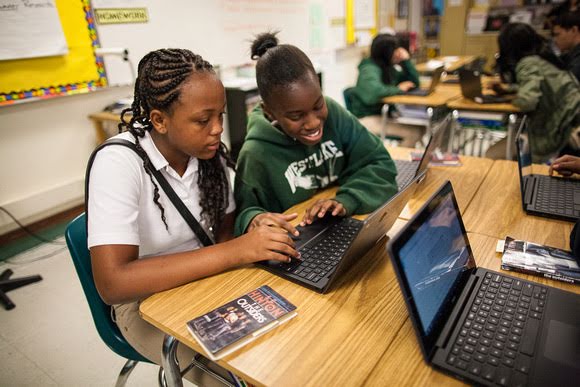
x,y
267,111
158,120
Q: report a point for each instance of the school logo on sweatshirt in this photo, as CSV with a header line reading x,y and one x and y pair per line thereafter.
x,y
297,172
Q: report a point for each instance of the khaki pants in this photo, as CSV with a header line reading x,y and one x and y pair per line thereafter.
x,y
148,341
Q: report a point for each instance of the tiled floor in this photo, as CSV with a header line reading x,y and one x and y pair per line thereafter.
x,y
49,338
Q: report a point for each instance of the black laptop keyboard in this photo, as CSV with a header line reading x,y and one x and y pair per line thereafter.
x,y
406,171
497,340
558,196
321,257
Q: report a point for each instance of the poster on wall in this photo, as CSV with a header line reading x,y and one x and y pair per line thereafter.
x,y
30,29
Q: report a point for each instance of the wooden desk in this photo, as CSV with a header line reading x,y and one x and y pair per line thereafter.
x,y
442,94
450,65
466,180
99,119
403,365
496,210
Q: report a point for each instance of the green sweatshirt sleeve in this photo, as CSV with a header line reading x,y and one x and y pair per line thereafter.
x,y
247,192
411,73
370,87
529,80
369,177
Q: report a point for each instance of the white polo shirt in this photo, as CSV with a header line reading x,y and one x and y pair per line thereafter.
x,y
121,207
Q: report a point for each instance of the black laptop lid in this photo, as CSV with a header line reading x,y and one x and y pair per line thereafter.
x,y
434,143
470,83
524,154
433,260
435,78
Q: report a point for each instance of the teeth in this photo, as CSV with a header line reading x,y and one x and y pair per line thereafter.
x,y
314,134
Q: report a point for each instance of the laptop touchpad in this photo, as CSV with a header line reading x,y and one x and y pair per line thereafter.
x,y
562,344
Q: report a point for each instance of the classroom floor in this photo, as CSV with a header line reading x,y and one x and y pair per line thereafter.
x,y
49,338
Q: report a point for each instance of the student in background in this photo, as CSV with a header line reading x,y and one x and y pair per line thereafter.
x,y
568,165
389,71
546,92
140,244
566,32
299,142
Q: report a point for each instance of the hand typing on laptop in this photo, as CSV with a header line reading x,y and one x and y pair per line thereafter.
x,y
320,208
566,165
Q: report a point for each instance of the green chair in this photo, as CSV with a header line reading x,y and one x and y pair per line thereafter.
x,y
347,94
76,240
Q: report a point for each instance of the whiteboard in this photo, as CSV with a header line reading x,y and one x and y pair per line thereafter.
x,y
220,30
30,29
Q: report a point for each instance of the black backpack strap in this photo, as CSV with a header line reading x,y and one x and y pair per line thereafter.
x,y
177,202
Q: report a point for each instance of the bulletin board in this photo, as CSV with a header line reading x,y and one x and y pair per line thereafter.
x,y
361,21
79,71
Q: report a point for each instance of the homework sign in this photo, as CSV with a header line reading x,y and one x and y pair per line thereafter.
x,y
121,15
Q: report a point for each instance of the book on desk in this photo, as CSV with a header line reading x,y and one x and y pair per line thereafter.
x,y
240,321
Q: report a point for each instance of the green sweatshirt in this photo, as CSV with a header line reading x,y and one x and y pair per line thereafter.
x,y
275,172
370,89
551,99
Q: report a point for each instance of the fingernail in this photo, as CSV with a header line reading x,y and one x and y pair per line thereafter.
x,y
296,233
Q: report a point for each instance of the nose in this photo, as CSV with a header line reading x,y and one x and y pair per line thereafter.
x,y
217,128
312,121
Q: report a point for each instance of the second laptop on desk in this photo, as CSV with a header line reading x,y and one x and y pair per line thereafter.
x,y
331,245
470,82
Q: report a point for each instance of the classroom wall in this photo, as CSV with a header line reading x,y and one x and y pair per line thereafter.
x,y
44,145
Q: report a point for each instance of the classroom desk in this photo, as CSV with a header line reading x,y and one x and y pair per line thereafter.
x,y
466,180
99,120
403,365
463,104
450,65
496,210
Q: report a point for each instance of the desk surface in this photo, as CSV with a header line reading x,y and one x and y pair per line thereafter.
x,y
463,103
496,210
441,95
466,180
450,65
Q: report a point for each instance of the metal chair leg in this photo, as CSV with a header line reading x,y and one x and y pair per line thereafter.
x,y
170,363
125,372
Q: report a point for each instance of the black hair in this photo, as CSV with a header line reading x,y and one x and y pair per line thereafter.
x,y
568,20
382,49
160,76
518,40
278,65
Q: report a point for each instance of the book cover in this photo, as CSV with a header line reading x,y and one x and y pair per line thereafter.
x,y
439,159
236,323
531,258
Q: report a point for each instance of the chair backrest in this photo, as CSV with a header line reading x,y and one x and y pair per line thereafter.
x,y
76,240
347,94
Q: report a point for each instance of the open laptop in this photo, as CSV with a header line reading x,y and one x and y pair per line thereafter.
x,y
330,245
470,83
407,170
476,324
542,195
435,78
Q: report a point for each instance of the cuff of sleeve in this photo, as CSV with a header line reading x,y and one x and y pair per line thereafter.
x,y
350,203
244,219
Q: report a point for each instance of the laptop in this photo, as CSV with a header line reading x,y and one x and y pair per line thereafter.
x,y
542,195
470,83
407,170
435,78
475,324
329,246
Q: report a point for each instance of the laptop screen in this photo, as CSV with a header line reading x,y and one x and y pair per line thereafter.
x,y
524,151
433,260
438,131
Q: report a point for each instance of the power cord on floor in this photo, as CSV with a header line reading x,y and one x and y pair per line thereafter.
x,y
28,231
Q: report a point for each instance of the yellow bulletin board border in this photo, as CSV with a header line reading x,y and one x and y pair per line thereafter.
x,y
350,22
80,71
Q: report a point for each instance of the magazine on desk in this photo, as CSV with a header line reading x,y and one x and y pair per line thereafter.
x,y
240,321
531,258
439,159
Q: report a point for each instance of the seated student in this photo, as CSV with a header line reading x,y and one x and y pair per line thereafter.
x,y
389,71
299,142
546,92
568,165
566,32
140,244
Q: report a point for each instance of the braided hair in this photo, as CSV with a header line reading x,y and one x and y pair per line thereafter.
x,y
160,75
278,65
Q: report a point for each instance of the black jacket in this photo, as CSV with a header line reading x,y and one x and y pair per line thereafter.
x,y
572,61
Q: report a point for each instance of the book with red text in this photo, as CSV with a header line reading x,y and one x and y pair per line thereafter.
x,y
240,321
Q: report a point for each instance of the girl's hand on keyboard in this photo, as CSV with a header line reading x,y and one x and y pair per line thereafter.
x,y
320,208
566,165
267,243
273,219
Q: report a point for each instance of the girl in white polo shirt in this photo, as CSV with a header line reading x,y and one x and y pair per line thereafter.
x,y
140,244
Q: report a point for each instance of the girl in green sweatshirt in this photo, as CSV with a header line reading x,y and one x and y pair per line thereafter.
x,y
299,142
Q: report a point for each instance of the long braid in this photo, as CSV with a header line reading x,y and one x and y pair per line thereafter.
x,y
160,76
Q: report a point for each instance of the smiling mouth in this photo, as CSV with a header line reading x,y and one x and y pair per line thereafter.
x,y
314,134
